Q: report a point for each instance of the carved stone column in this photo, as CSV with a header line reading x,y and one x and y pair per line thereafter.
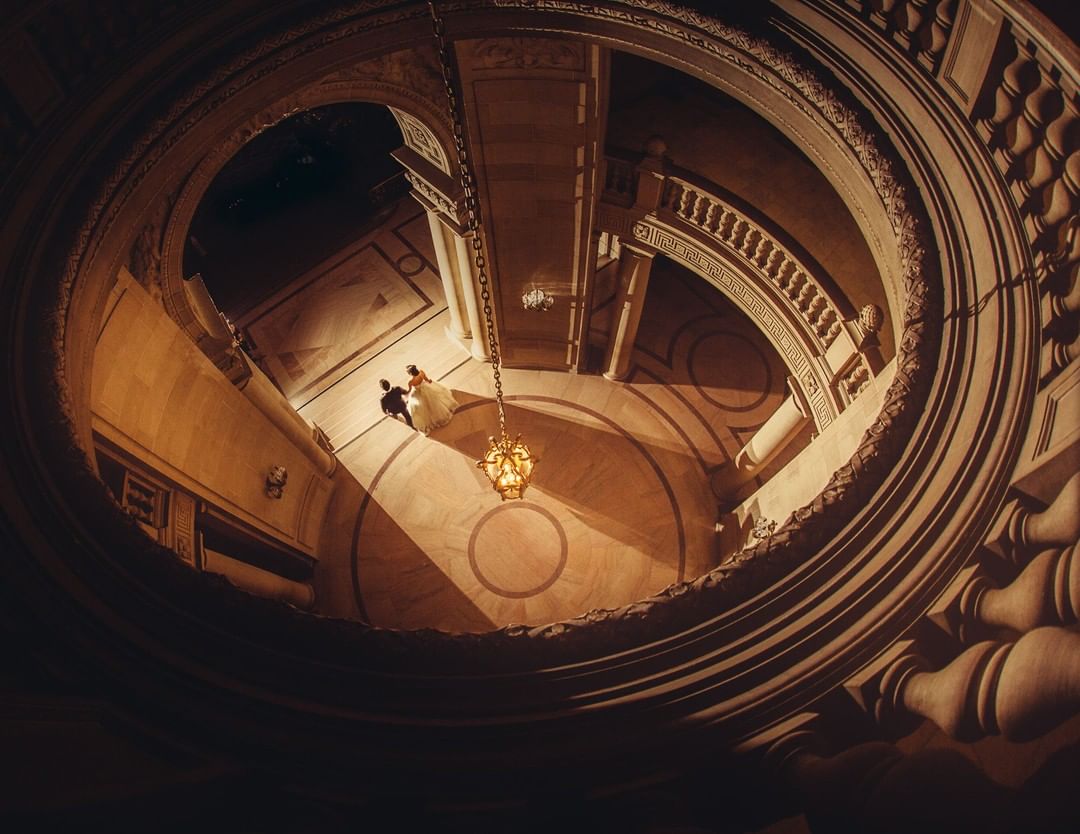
x,y
473,305
779,430
635,266
446,272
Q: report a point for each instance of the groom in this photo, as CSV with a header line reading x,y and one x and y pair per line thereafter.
x,y
393,401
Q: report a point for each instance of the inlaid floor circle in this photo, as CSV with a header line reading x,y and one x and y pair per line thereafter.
x,y
409,264
517,550
602,524
729,371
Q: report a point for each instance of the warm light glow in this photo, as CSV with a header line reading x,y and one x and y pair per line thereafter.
x,y
508,464
537,300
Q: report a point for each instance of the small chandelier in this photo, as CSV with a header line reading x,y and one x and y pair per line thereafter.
x,y
536,300
508,464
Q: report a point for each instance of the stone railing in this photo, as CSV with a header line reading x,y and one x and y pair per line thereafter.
x,y
919,27
694,206
830,351
1016,78
1031,125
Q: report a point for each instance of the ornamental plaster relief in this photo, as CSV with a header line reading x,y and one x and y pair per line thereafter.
x,y
528,53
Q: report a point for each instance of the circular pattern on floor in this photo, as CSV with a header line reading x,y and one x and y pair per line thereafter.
x,y
711,361
518,544
409,264
601,524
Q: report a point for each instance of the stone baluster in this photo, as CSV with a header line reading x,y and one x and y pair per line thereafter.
x,y
1018,531
1019,78
935,35
1025,132
1045,162
632,283
1047,592
1059,356
1018,690
725,229
1065,306
881,12
907,17
1056,203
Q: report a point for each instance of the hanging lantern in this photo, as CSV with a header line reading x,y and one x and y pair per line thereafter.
x,y
508,464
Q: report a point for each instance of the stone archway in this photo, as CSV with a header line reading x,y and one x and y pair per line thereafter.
x,y
407,86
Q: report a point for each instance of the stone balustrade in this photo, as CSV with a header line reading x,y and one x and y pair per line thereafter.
x,y
831,352
709,213
919,27
1019,689
1025,106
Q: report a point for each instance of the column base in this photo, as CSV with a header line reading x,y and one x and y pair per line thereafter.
x,y
461,339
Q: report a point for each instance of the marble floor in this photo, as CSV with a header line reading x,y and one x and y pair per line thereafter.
x,y
337,315
619,506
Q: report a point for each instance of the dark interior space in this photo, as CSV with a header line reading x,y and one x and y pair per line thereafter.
x,y
320,177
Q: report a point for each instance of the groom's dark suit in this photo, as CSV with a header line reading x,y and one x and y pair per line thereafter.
x,y
393,402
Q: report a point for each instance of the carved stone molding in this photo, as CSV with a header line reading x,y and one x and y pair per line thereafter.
x,y
528,53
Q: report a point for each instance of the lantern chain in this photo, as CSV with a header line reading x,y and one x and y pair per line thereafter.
x,y
472,206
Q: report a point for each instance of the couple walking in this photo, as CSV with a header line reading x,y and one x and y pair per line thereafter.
x,y
429,404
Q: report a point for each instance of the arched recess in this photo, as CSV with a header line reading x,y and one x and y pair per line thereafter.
x,y
423,124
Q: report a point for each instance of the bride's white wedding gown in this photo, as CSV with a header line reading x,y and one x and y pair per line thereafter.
x,y
431,404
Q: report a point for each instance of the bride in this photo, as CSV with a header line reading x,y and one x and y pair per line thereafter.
x,y
431,404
